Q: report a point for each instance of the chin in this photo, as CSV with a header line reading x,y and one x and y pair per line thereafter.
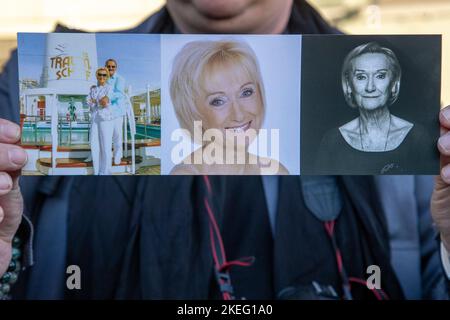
x,y
220,9
370,106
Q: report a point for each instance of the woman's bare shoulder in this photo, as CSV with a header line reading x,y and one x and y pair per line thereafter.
x,y
184,169
186,166
270,166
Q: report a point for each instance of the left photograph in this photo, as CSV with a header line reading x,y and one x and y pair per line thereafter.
x,y
90,104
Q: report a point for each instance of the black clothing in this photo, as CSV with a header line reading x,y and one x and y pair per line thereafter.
x,y
417,154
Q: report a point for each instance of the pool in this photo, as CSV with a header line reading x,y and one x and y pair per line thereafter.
x,y
42,136
146,132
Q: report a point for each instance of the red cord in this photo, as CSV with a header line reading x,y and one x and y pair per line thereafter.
x,y
248,261
214,230
244,262
213,224
339,261
208,184
378,293
329,227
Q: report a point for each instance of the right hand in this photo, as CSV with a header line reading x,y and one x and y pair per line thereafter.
x,y
12,159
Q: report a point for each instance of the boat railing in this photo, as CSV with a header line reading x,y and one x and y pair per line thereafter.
x,y
33,122
146,122
67,123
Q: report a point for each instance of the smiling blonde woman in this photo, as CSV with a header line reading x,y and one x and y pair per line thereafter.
x,y
219,83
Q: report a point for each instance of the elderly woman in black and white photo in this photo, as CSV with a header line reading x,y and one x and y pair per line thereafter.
x,y
376,142
371,82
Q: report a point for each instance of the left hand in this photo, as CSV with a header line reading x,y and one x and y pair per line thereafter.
x,y
104,101
440,201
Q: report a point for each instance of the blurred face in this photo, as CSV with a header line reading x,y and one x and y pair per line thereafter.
x,y
102,77
112,67
230,16
371,81
231,101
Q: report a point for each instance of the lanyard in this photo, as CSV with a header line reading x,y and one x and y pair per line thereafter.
x,y
221,264
345,279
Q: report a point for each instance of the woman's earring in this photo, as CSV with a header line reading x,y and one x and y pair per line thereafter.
x,y
396,87
349,93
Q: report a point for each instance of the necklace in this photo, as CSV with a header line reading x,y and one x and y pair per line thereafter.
x,y
387,135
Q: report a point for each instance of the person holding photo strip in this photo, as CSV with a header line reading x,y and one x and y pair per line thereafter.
x,y
123,271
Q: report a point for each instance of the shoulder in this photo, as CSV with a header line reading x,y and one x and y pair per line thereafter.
x,y
350,131
408,131
119,77
268,166
350,127
419,129
401,124
282,169
184,169
420,135
186,166
332,137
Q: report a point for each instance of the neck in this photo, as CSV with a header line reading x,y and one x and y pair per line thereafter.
x,y
377,119
189,20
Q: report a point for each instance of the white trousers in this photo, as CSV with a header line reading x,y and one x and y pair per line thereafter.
x,y
118,139
101,145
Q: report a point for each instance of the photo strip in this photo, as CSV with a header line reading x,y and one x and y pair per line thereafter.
x,y
122,104
90,104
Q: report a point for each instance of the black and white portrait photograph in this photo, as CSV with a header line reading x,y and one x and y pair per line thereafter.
x,y
370,104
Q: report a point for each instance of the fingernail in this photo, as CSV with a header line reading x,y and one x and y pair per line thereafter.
x,y
12,132
446,173
444,142
17,156
446,113
5,183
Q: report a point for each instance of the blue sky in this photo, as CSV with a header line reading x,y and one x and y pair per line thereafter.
x,y
138,56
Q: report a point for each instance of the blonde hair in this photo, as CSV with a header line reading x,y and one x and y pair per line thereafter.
x,y
102,69
197,59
